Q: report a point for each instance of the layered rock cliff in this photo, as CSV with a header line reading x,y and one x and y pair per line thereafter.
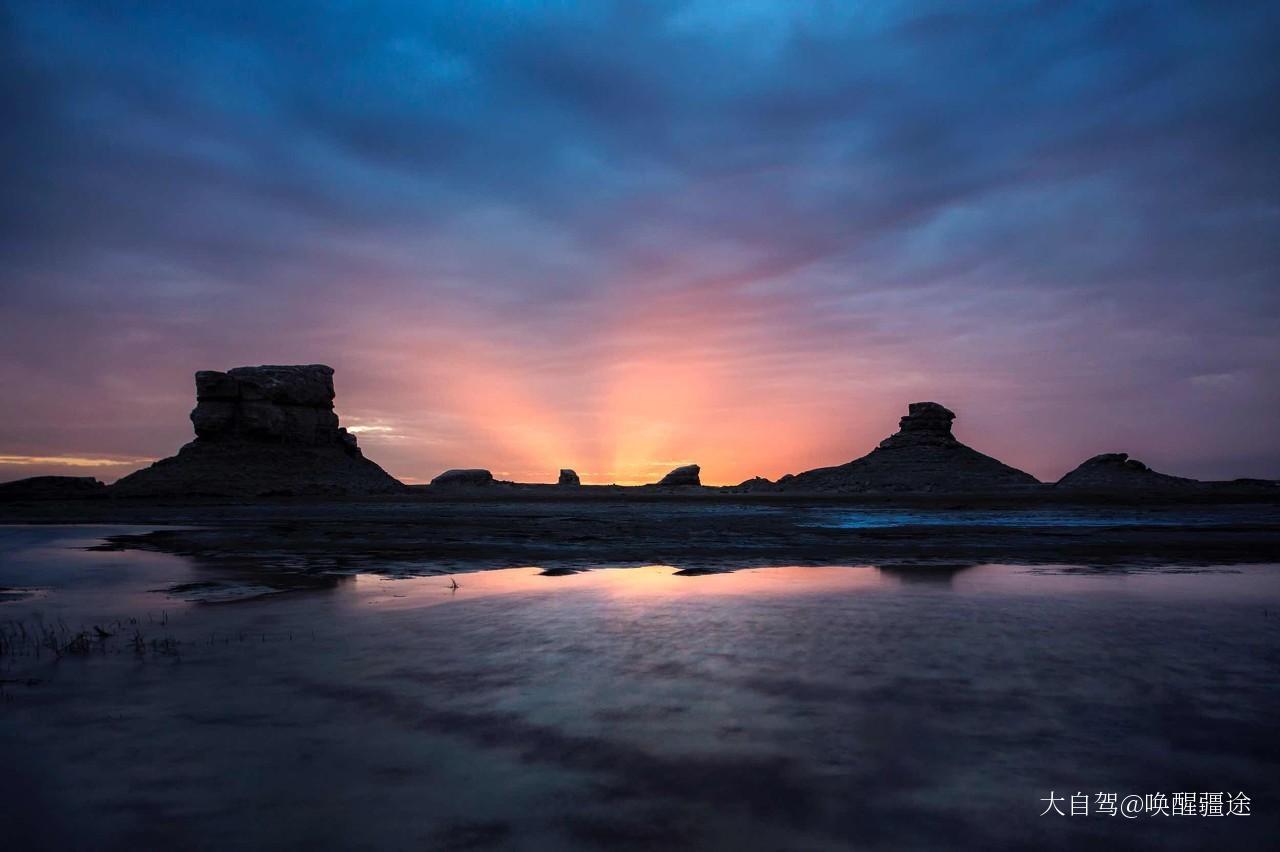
x,y
260,431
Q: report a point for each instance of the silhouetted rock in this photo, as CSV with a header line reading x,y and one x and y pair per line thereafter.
x,y
568,478
925,572
464,476
926,424
754,483
288,404
1118,472
262,431
52,488
1247,484
921,457
681,476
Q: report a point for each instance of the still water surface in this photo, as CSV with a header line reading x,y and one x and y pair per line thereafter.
x,y
785,708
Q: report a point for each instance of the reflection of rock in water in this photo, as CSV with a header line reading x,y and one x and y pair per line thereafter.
x,y
925,572
560,571
252,586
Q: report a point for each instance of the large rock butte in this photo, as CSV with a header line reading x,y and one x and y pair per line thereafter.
x,y
263,431
921,457
568,478
1118,472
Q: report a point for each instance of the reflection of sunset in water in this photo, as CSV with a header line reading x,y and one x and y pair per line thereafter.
x,y
646,581
702,699
664,583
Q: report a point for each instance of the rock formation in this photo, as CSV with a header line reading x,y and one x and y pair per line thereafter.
x,y
755,482
568,478
263,431
921,457
464,476
52,488
1118,472
682,476
289,405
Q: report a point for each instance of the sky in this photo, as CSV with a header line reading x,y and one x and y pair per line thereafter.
x,y
619,237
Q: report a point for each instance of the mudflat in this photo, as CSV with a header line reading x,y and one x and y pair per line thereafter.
x,y
709,531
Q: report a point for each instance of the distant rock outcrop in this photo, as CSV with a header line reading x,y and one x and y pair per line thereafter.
x,y
568,478
52,488
263,431
682,476
1118,472
464,476
921,457
755,482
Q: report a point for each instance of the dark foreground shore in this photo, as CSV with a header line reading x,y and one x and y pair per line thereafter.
x,y
425,533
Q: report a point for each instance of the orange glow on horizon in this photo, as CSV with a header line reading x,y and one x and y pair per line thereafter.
x,y
654,394
656,377
72,461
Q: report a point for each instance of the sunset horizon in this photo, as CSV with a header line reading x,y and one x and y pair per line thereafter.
x,y
695,425
542,441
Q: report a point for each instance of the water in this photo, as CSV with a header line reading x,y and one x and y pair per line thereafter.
x,y
778,708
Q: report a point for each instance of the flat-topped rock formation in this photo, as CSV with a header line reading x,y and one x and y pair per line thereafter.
x,y
568,478
263,431
1118,472
921,457
464,477
285,404
682,476
52,488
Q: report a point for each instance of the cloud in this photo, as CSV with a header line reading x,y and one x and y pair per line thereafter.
x,y
531,235
72,461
